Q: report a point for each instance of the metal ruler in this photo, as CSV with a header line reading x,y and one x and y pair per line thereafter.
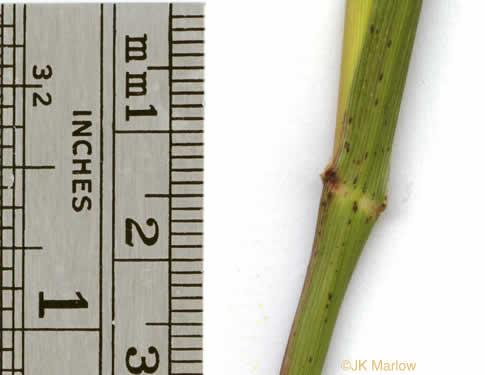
x,y
101,122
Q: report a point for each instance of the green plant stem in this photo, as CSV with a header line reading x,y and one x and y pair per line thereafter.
x,y
355,182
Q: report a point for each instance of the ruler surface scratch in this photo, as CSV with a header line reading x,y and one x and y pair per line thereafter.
x,y
101,199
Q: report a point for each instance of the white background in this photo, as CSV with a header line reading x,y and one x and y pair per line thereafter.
x,y
417,293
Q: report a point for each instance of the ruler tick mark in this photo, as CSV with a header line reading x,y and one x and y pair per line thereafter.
x,y
173,195
188,54
182,29
188,106
141,260
187,92
187,118
186,349
188,80
188,16
187,285
188,41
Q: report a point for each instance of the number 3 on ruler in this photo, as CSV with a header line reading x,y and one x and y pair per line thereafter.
x,y
45,73
143,368
150,241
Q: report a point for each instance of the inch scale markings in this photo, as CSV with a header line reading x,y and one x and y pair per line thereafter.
x,y
12,176
68,305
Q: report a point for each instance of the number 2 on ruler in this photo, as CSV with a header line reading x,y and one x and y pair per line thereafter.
x,y
149,241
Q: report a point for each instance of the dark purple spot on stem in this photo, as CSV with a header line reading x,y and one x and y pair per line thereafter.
x,y
330,176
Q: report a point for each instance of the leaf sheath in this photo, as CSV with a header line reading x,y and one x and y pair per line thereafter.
x,y
355,182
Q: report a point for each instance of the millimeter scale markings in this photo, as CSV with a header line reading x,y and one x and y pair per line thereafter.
x,y
101,196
